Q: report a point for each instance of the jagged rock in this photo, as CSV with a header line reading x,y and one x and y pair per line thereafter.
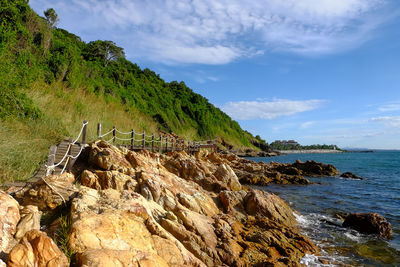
x,y
269,205
112,216
104,156
37,249
109,257
313,168
30,220
369,223
48,198
226,175
187,210
9,217
108,179
232,200
350,175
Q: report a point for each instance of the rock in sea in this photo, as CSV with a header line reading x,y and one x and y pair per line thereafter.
x,y
369,223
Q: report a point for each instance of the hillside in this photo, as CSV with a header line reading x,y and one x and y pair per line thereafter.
x,y
51,81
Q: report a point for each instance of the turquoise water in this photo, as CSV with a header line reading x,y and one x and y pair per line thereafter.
x,y
378,192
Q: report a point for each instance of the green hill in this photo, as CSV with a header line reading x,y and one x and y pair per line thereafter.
x,y
50,81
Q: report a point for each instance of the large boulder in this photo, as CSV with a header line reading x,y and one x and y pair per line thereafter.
x,y
37,249
108,179
9,217
226,175
49,194
108,157
350,175
268,205
369,223
119,258
122,222
30,220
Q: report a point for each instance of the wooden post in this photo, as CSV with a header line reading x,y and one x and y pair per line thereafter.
x,y
173,144
143,140
70,163
152,142
84,132
166,144
114,134
50,159
99,130
132,139
183,145
160,146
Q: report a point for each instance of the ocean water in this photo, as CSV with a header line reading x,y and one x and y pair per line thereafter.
x,y
317,203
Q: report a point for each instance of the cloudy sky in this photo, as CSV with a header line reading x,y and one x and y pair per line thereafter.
x,y
317,71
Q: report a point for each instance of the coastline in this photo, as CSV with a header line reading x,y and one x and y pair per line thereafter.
x,y
311,151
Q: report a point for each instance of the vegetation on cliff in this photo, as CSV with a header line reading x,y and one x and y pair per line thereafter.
x,y
51,80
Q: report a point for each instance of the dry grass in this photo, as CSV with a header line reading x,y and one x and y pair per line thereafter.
x,y
24,144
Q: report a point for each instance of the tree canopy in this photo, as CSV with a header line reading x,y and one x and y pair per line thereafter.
x,y
107,51
51,17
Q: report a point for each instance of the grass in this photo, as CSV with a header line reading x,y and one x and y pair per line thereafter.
x,y
61,236
24,144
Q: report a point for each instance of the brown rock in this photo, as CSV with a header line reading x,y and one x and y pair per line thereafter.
x,y
227,176
9,217
37,249
232,200
269,205
108,179
369,223
30,220
116,258
107,157
48,198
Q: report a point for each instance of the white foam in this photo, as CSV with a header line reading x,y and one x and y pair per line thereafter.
x,y
352,237
312,260
301,219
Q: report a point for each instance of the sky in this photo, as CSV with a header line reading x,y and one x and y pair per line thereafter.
x,y
317,71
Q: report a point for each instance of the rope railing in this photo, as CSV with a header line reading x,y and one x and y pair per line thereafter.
x,y
160,143
67,156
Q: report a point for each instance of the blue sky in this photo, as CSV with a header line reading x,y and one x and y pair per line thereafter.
x,y
317,71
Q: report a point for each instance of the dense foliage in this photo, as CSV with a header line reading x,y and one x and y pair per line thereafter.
x,y
276,145
32,50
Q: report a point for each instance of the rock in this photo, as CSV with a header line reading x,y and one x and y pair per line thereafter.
x,y
2,263
37,249
313,168
269,205
108,179
30,220
226,175
350,175
184,210
48,198
9,217
122,222
109,257
369,223
107,157
232,201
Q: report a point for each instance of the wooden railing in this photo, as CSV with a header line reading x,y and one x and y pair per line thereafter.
x,y
162,143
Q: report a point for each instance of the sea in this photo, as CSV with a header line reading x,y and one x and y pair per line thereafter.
x,y
318,203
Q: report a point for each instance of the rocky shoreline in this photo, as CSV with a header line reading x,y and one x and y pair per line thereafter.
x,y
126,208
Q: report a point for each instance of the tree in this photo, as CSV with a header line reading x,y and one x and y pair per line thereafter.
x,y
51,17
105,50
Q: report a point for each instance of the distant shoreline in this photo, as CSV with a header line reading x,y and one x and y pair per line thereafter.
x,y
310,151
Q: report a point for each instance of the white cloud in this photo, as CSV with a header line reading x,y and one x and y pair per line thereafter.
x,y
218,32
390,107
392,121
247,110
